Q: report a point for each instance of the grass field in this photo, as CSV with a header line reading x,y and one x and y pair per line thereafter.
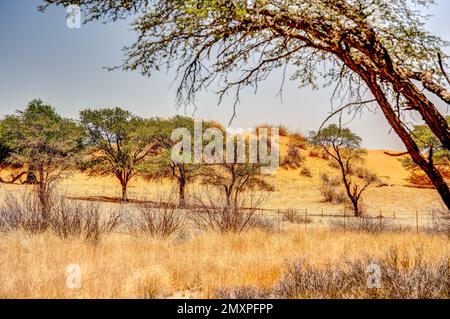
x,y
125,267
197,264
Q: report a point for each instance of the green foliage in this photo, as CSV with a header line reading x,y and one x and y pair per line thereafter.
x,y
41,139
215,37
336,136
118,143
4,153
427,141
163,165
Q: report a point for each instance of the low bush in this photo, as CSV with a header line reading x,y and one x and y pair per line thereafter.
x,y
293,216
400,277
306,172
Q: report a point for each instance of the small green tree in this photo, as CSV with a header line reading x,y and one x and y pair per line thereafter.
x,y
42,140
236,176
163,165
344,147
430,145
118,143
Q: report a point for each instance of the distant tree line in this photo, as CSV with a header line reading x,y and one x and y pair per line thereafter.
x,y
110,142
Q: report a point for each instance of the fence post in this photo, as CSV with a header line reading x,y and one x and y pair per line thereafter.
x,y
279,220
417,222
306,218
322,213
381,216
345,225
394,214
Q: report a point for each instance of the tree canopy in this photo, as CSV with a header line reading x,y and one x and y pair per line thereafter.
x,y
432,148
118,143
44,141
164,165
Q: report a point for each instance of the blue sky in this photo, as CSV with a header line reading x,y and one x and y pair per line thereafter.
x,y
41,58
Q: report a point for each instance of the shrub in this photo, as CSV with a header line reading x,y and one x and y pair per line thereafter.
x,y
242,293
334,164
298,140
314,153
160,221
293,216
401,277
282,129
324,155
330,191
363,224
361,172
293,158
212,213
306,172
61,217
440,221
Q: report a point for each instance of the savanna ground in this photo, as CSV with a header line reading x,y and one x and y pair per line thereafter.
x,y
285,259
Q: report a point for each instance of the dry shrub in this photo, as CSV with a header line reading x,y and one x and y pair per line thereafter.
x,y
419,179
25,213
364,224
95,227
314,153
242,293
306,172
401,277
324,155
61,217
298,140
148,283
293,216
361,172
282,129
334,164
160,220
330,191
293,158
440,221
212,213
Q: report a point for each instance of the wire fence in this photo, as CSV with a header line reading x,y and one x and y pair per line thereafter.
x,y
417,221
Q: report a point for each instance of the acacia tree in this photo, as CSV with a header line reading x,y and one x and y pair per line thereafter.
x,y
118,143
45,142
366,47
163,165
433,150
344,147
235,178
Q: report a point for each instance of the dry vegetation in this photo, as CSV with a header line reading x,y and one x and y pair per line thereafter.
x,y
152,249
202,265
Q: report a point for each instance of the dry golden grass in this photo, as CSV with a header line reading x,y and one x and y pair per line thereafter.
x,y
125,266
142,267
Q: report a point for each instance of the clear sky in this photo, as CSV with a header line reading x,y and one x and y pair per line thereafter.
x,y
41,58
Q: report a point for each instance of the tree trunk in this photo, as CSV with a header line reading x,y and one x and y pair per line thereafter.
x,y
124,192
182,187
228,196
181,192
356,208
428,167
